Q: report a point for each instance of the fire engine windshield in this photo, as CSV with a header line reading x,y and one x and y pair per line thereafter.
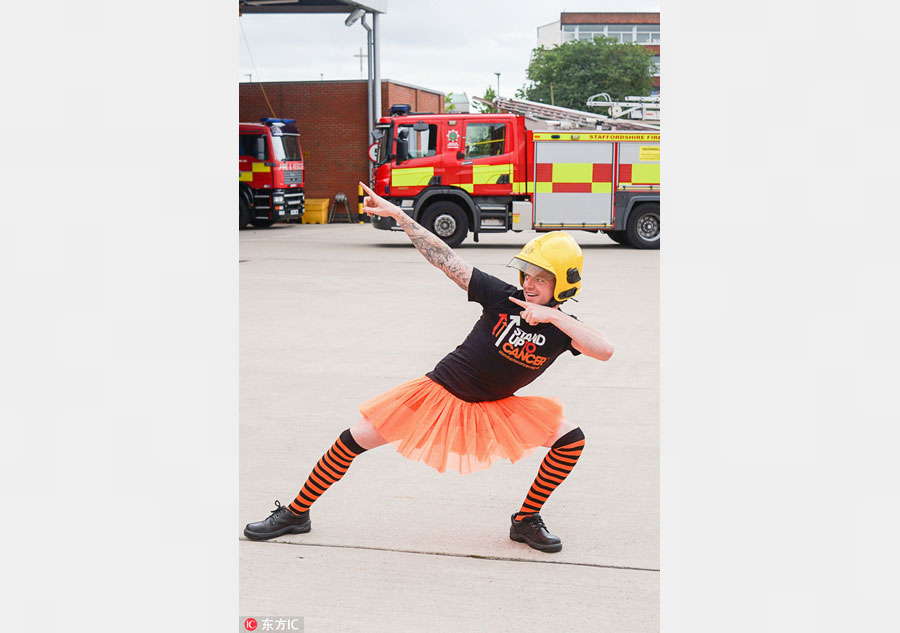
x,y
287,147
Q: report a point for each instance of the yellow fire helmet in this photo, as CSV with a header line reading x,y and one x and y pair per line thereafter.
x,y
558,253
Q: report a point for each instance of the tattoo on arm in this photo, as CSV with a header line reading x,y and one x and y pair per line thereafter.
x,y
438,253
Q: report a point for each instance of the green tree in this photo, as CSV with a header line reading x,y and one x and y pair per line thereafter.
x,y
568,74
449,106
489,95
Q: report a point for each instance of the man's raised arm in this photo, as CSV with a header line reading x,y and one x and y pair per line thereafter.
x,y
429,244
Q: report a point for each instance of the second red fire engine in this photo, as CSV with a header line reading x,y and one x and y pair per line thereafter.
x,y
270,164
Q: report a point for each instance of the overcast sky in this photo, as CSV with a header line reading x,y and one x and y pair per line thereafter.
x,y
448,46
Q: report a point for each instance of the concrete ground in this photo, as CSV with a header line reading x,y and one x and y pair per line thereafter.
x,y
332,315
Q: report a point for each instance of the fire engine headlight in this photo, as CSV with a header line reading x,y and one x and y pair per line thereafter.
x,y
278,198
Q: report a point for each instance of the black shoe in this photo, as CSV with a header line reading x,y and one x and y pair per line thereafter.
x,y
281,521
531,530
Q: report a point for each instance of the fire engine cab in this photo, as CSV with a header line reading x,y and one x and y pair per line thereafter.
x,y
486,173
271,172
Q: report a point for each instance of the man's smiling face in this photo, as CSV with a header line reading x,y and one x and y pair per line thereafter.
x,y
538,285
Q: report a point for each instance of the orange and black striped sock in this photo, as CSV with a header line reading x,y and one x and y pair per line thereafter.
x,y
557,464
330,468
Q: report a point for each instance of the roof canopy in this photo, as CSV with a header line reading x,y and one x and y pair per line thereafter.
x,y
355,11
311,6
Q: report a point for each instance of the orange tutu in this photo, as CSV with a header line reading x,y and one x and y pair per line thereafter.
x,y
427,423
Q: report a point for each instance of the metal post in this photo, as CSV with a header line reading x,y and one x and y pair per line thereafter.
x,y
370,81
370,48
377,55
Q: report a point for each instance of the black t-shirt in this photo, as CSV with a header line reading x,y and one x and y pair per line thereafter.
x,y
502,353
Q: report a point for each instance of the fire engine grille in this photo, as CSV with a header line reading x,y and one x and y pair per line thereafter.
x,y
294,199
293,177
262,200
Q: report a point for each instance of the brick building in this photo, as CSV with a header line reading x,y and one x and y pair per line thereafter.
x,y
332,118
640,28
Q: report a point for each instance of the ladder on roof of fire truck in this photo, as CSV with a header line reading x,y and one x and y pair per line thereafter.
x,y
645,108
535,110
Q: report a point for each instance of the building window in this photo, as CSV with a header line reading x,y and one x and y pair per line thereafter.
x,y
647,33
587,32
654,65
622,33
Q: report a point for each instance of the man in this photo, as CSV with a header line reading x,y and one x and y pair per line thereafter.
x,y
464,414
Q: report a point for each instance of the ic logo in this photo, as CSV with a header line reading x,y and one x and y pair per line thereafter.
x,y
250,624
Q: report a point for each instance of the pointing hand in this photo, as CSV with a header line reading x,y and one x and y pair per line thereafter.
x,y
373,204
535,313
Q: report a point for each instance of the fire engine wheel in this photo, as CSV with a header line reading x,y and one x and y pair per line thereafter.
x,y
244,213
643,226
448,221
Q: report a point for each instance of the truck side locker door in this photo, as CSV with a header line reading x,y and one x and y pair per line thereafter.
x,y
638,166
572,181
486,168
424,166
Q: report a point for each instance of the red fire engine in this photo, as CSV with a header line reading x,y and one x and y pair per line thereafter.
x,y
485,173
271,172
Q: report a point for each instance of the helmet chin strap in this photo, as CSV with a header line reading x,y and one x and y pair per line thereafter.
x,y
553,302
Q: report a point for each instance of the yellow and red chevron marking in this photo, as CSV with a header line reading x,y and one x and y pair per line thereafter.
x,y
411,176
639,174
523,187
486,190
573,178
482,179
256,167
